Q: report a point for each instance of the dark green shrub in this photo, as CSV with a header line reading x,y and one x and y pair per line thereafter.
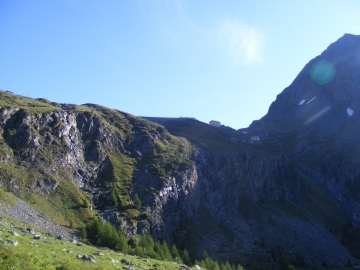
x,y
145,215
137,202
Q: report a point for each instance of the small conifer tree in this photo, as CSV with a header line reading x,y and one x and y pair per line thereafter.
x,y
201,264
137,202
94,228
122,243
291,267
83,233
175,254
139,251
108,236
115,194
165,251
205,255
113,198
228,266
86,203
240,267
216,266
186,257
158,251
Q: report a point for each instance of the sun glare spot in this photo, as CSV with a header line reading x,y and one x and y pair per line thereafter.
x,y
322,72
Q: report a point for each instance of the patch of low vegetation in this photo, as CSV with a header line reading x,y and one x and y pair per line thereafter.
x,y
4,148
65,205
118,174
7,197
28,104
170,154
111,118
44,100
50,253
18,174
132,214
123,167
214,138
202,134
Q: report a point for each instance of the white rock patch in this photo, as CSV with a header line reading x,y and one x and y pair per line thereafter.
x,y
165,191
350,112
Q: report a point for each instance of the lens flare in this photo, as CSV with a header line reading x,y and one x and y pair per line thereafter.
x,y
322,72
317,115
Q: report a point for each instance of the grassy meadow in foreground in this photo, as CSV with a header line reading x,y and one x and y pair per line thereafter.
x,y
52,253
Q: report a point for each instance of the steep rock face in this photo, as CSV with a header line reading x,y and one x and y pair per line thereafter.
x,y
327,87
61,138
316,120
247,203
251,200
94,148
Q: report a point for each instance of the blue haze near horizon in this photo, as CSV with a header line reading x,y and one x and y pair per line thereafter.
x,y
212,60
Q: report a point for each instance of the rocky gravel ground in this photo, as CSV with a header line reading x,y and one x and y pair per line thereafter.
x,y
20,210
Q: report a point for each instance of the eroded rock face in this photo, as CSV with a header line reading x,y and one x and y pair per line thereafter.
x,y
83,147
75,141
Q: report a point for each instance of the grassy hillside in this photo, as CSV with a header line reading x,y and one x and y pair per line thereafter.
x,y
28,104
51,253
215,138
201,133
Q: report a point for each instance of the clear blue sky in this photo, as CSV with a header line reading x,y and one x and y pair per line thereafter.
x,y
212,60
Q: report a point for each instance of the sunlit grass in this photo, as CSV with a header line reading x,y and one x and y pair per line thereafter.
x,y
28,104
58,254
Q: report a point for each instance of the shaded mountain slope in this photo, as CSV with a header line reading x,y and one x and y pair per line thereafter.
x,y
316,122
252,200
322,134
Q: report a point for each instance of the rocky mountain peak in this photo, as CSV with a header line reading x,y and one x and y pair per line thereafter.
x,y
325,94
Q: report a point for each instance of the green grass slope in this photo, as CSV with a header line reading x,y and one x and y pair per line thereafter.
x,y
52,253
